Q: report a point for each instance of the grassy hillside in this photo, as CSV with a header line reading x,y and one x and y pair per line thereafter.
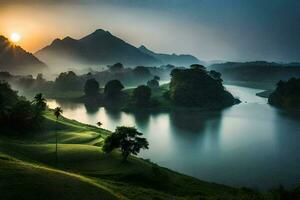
x,y
22,180
27,168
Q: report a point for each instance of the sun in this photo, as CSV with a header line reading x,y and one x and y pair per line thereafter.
x,y
15,37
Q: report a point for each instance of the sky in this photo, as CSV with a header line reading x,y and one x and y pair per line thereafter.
x,y
231,30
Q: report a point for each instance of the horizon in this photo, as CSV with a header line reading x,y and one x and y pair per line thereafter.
x,y
210,30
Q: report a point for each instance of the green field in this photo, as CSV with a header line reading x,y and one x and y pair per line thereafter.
x,y
28,170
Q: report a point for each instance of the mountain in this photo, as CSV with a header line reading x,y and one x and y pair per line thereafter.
x,y
98,48
258,73
173,59
14,59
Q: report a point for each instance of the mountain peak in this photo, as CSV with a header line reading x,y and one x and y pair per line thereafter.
x,y
68,38
173,59
17,60
101,31
57,40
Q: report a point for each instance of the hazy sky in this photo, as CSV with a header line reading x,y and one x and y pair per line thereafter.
x,y
208,29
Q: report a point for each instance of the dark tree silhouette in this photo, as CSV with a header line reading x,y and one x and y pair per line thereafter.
x,y
153,84
141,95
40,101
113,89
57,112
18,113
286,94
118,67
156,78
216,75
91,88
68,81
195,87
99,124
127,139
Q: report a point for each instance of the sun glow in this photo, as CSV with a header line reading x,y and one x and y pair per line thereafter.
x,y
15,37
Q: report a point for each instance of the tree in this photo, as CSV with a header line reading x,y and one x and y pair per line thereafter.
x,y
141,95
286,95
57,112
127,139
156,78
142,72
8,98
40,104
195,87
99,124
118,67
197,66
216,75
39,101
91,88
68,81
153,84
113,89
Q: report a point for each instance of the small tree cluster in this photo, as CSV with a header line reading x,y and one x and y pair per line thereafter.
x,y
127,139
141,95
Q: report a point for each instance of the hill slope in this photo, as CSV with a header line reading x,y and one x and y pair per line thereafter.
x,y
23,180
98,48
16,60
102,175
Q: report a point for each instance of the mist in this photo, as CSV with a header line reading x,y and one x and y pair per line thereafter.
x,y
211,30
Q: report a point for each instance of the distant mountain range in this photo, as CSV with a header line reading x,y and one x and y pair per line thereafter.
x,y
14,59
103,48
258,72
173,59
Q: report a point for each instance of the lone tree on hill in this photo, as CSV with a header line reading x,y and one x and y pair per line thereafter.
x,y
127,139
57,112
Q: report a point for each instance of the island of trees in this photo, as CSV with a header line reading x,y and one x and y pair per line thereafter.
x,y
286,94
194,87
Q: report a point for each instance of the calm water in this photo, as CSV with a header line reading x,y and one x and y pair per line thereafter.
x,y
251,144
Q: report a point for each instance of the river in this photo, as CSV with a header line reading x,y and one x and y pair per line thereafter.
x,y
251,144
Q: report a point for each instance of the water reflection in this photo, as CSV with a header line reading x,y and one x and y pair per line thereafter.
x,y
251,144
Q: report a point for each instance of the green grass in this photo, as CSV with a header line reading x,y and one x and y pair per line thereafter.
x,y
27,168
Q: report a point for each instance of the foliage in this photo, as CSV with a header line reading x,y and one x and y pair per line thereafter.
x,y
118,67
16,112
141,95
286,94
99,124
113,89
127,139
153,84
216,75
40,104
91,88
8,98
142,72
39,101
68,81
57,112
196,87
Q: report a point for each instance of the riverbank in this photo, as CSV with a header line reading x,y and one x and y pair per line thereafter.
x,y
27,166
